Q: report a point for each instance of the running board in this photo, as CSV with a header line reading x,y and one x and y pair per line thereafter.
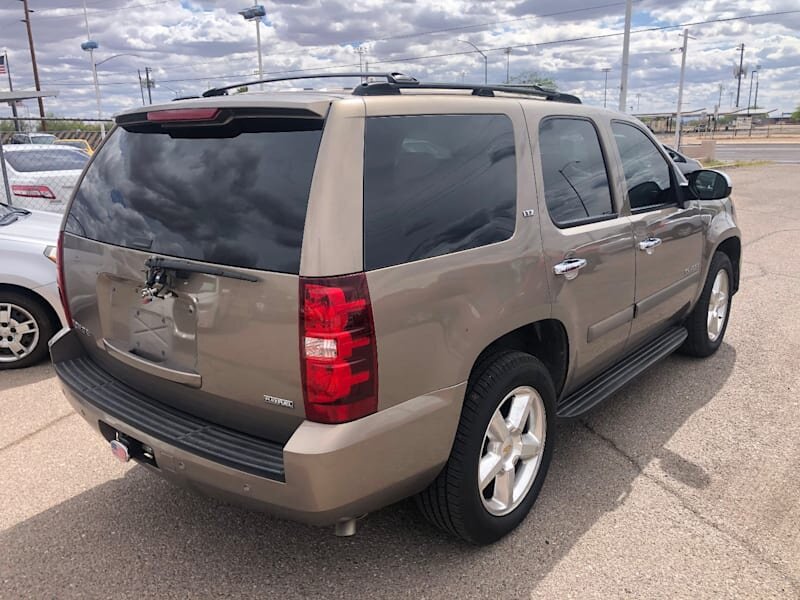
x,y
600,388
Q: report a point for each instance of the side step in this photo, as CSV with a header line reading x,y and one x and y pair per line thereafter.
x,y
600,388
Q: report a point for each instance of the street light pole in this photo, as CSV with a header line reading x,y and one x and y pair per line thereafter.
x,y
91,46
485,60
255,13
605,86
680,91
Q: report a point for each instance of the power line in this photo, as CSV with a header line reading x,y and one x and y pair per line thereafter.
x,y
465,52
42,14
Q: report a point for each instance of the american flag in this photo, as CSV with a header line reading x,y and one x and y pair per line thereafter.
x,y
2,64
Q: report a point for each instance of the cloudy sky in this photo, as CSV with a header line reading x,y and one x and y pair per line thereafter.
x,y
194,44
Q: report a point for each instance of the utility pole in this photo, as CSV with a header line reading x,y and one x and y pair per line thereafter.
x,y
149,84
141,85
680,92
13,102
740,47
638,97
605,86
626,47
27,21
755,102
508,65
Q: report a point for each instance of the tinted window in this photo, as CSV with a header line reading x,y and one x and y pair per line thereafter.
x,y
230,196
62,159
647,173
574,172
436,184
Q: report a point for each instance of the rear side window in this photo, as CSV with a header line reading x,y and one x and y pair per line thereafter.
x,y
229,195
576,186
436,184
56,159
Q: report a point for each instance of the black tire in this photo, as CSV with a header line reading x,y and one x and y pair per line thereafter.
x,y
699,343
453,501
41,315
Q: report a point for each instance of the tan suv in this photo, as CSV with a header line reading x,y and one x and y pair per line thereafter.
x,y
320,303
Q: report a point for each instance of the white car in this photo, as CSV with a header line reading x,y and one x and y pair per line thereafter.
x,y
30,310
42,177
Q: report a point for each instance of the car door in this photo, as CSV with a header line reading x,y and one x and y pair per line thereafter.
x,y
668,233
588,246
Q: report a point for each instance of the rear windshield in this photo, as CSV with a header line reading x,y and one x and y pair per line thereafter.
x,y
56,159
232,196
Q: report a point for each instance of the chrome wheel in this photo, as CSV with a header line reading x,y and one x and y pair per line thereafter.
x,y
718,305
512,451
19,332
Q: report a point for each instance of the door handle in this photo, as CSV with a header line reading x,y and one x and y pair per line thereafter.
x,y
649,244
569,268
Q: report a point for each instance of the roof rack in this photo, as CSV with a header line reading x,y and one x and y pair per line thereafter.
x,y
391,78
395,82
381,89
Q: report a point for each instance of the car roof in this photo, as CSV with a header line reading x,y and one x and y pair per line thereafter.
x,y
37,147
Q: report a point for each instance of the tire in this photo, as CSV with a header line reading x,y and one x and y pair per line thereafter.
x,y
454,501
17,309
702,341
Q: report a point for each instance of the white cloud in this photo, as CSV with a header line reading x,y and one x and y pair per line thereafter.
x,y
191,44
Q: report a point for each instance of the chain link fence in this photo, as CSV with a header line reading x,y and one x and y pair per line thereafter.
x,y
42,160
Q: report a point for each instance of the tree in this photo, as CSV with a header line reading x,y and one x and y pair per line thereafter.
x,y
534,78
796,115
70,125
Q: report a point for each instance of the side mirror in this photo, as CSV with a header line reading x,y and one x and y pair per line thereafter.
x,y
707,184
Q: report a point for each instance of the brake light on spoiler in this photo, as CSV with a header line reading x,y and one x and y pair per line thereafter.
x,y
182,114
338,353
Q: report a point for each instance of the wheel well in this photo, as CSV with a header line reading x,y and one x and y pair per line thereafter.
x,y
51,314
546,340
733,248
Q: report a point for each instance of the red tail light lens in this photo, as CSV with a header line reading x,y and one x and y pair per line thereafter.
x,y
33,191
338,353
62,290
183,114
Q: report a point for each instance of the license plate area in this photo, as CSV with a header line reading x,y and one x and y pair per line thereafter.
x,y
136,450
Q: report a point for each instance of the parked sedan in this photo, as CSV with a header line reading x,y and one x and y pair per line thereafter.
x,y
685,164
42,177
30,310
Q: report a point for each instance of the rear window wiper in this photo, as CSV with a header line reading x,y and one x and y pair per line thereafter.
x,y
173,264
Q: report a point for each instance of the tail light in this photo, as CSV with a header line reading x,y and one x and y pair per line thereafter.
x,y
338,352
62,290
33,191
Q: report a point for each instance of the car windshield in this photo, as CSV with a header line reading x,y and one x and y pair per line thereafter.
x,y
51,159
42,139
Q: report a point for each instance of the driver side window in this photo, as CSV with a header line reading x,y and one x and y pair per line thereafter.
x,y
647,174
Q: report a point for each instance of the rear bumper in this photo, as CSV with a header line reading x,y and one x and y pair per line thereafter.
x,y
330,472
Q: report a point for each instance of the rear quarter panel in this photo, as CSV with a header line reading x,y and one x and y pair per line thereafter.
x,y
433,317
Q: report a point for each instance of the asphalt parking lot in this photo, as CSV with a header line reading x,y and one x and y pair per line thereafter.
x,y
684,485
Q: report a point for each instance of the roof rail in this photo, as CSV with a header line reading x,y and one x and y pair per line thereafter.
x,y
391,78
398,81
393,88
